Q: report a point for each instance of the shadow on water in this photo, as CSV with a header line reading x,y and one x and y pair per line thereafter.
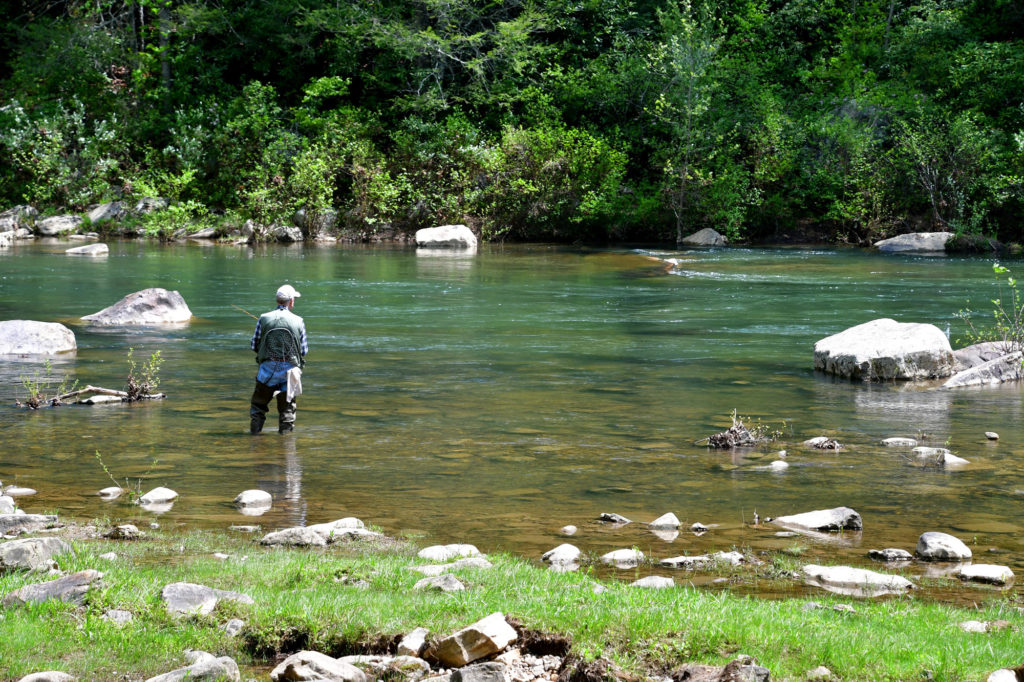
x,y
493,399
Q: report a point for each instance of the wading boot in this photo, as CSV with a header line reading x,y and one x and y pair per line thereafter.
x,y
286,427
256,424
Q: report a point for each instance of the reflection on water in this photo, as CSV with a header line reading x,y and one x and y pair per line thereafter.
x,y
494,398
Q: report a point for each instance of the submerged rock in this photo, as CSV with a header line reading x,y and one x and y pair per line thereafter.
x,y
28,337
885,349
939,457
855,581
159,495
254,498
898,442
890,555
146,307
617,519
933,546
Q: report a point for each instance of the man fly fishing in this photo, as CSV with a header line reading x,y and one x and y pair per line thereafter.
x,y
280,346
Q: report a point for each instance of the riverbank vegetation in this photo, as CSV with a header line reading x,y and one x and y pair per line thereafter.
x,y
592,121
357,597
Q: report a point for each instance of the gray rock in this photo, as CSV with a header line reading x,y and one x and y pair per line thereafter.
x,y
254,498
89,250
71,588
483,638
6,239
446,236
208,233
698,528
855,581
884,349
32,554
974,627
1003,369
17,218
446,552
822,520
312,665
48,676
939,457
13,524
298,536
438,569
387,667
481,672
979,354
890,555
915,242
146,307
314,224
111,492
158,495
147,205
667,521
1003,675
286,234
114,210
654,582
233,627
934,546
989,574
57,225
7,504
204,667
623,558
190,598
991,435
819,674
823,443
336,530
702,560
108,556
28,337
563,554
414,643
618,519
445,583
898,442
19,491
705,237
568,530
118,616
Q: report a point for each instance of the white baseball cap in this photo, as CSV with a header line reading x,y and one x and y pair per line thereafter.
x,y
287,291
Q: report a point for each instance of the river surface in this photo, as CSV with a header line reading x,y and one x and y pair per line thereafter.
x,y
493,399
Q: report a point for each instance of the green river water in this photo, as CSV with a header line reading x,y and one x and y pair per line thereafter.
x,y
495,398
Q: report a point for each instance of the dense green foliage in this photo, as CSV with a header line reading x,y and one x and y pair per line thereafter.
x,y
589,120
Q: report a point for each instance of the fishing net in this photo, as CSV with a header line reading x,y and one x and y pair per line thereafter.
x,y
280,345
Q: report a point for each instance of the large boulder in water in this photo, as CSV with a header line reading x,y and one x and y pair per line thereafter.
x,y
886,349
446,236
58,225
916,242
705,237
1004,368
149,306
27,337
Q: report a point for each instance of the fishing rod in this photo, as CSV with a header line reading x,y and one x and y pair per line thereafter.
x,y
244,311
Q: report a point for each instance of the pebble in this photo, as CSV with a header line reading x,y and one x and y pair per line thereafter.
x,y
568,530
991,435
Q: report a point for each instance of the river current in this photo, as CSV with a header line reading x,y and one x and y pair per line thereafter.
x,y
494,398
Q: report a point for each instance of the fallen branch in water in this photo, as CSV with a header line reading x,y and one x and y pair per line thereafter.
x,y
739,436
57,400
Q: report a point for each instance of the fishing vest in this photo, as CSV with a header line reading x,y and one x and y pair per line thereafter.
x,y
280,319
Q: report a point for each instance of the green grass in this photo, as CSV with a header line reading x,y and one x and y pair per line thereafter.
x,y
307,599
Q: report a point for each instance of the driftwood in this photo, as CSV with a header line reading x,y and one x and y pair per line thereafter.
x,y
57,400
737,436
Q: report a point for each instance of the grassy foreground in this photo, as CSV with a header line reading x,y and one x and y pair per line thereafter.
x,y
312,599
